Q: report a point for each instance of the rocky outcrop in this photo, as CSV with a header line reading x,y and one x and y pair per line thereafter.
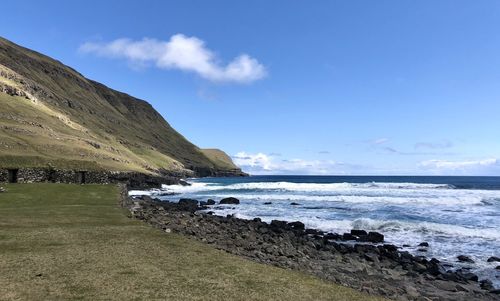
x,y
375,268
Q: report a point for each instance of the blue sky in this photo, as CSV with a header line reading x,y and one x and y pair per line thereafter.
x,y
297,87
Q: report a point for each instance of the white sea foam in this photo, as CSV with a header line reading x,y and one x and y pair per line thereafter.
x,y
309,187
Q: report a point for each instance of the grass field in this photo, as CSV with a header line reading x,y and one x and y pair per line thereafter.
x,y
70,242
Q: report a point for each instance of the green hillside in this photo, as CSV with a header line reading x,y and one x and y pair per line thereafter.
x,y
51,114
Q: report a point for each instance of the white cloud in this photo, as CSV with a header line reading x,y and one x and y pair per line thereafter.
x,y
434,145
261,163
183,53
379,141
471,167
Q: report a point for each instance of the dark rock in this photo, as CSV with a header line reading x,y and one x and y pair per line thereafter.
x,y
495,291
349,236
465,274
435,268
297,225
210,202
493,259
332,236
229,200
390,248
268,203
188,204
358,232
278,226
375,237
418,267
486,284
464,258
498,267
313,232
184,183
371,257
422,250
423,244
294,204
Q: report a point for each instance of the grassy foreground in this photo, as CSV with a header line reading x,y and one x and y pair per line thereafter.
x,y
70,242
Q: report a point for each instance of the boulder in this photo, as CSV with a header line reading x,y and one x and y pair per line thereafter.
x,y
486,284
375,237
435,268
268,203
187,205
210,202
297,225
349,236
229,200
423,244
465,274
358,232
294,204
464,258
493,259
332,236
2,189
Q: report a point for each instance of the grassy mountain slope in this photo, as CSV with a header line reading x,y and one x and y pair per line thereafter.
x,y
49,113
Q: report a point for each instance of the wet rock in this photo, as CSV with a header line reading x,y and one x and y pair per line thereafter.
x,y
498,267
465,274
358,232
422,250
390,248
464,258
486,284
313,232
297,225
493,259
268,203
435,268
332,236
229,200
423,244
210,202
294,204
349,236
375,237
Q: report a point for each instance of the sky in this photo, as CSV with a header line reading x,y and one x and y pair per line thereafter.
x,y
296,87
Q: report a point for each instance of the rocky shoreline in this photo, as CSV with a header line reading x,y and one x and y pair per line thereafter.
x,y
358,259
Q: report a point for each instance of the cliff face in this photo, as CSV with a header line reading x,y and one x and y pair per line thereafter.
x,y
52,115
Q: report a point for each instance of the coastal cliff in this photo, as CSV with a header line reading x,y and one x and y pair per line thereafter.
x,y
53,117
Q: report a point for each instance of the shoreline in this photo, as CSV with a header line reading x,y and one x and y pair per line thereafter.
x,y
369,265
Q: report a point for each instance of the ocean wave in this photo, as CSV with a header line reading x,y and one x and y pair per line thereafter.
x,y
290,186
367,199
389,227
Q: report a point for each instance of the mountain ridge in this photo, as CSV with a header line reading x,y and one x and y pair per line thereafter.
x,y
53,113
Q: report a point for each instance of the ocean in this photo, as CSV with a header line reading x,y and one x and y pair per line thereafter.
x,y
455,215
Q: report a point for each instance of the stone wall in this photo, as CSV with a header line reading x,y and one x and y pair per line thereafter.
x,y
131,179
4,175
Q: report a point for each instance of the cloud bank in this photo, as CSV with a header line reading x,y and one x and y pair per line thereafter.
x,y
183,53
261,163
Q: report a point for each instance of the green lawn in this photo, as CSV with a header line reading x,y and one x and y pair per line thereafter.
x,y
70,242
